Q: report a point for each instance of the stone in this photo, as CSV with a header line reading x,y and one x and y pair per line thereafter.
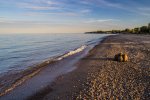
x,y
125,57
121,57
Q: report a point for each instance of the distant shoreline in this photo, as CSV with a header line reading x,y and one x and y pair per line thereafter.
x,y
137,30
117,33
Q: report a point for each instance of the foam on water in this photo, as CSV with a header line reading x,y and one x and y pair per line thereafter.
x,y
72,52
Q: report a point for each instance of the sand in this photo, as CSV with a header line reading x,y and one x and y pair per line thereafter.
x,y
99,77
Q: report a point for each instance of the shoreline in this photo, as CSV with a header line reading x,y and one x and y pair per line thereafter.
x,y
97,73
98,76
17,79
17,74
40,72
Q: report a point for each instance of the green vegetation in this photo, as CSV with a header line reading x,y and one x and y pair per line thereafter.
x,y
137,30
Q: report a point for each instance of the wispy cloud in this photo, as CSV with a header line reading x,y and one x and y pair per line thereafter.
x,y
52,7
143,11
100,20
71,14
102,3
86,11
34,6
110,4
130,6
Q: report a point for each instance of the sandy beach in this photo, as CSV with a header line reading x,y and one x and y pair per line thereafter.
x,y
99,77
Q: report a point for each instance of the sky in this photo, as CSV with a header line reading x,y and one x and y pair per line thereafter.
x,y
71,16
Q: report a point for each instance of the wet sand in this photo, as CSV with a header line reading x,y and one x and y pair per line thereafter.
x,y
99,77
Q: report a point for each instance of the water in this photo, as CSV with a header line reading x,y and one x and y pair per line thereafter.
x,y
19,51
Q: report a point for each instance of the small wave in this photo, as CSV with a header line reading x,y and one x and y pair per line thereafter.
x,y
72,52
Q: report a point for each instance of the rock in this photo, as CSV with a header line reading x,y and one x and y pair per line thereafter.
x,y
118,56
125,57
121,57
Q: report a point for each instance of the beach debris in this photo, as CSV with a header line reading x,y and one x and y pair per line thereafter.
x,y
121,57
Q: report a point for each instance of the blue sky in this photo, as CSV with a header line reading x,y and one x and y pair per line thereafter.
x,y
71,16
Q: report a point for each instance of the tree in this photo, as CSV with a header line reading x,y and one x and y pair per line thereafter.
x,y
136,30
144,29
149,27
127,30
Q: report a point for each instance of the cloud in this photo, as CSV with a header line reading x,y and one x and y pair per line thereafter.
x,y
37,7
52,2
101,3
45,2
62,13
110,4
40,4
54,7
85,11
144,11
41,8
51,13
130,6
100,20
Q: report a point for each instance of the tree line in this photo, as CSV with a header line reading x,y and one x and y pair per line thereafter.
x,y
137,30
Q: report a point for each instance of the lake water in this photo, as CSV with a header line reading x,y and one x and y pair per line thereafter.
x,y
19,51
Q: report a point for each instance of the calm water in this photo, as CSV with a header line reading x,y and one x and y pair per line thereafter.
x,y
18,52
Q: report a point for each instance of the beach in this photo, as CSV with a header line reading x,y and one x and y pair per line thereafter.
x,y
98,76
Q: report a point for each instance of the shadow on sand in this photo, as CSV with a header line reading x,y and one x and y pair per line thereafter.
x,y
102,59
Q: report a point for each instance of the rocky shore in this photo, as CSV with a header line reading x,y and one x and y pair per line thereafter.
x,y
99,77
